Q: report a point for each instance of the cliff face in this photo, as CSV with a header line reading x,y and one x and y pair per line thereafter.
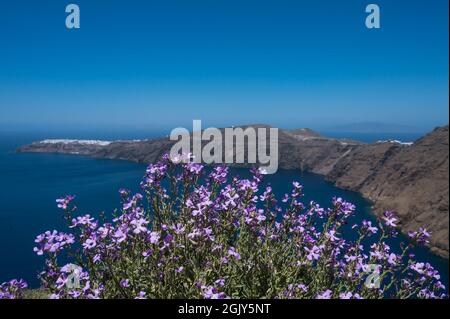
x,y
412,180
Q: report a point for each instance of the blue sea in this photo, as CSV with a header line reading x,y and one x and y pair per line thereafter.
x,y
30,183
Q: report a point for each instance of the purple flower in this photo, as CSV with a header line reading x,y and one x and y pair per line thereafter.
x,y
210,292
124,192
219,174
349,295
168,239
139,225
332,235
297,185
313,253
220,282
232,252
420,236
179,228
367,225
141,295
346,295
392,259
325,294
179,269
194,168
120,235
390,219
90,243
342,207
84,221
13,289
52,242
125,283
64,202
147,253
153,237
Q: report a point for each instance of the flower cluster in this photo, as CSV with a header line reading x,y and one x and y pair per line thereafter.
x,y
52,242
13,289
63,203
199,233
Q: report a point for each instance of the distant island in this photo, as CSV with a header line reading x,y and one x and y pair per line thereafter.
x,y
408,177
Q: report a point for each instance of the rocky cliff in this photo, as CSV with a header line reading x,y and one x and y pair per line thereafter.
x,y
410,179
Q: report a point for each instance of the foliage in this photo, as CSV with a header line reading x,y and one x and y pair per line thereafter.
x,y
194,234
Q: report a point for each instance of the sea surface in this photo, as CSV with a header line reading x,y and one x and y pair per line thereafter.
x,y
30,183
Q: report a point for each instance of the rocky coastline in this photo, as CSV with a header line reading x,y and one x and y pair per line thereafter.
x,y
411,179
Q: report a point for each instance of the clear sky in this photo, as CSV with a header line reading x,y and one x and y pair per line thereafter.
x,y
160,64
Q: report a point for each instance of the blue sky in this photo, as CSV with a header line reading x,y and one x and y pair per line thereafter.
x,y
160,64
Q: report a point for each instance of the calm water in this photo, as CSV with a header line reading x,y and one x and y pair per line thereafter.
x,y
30,183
